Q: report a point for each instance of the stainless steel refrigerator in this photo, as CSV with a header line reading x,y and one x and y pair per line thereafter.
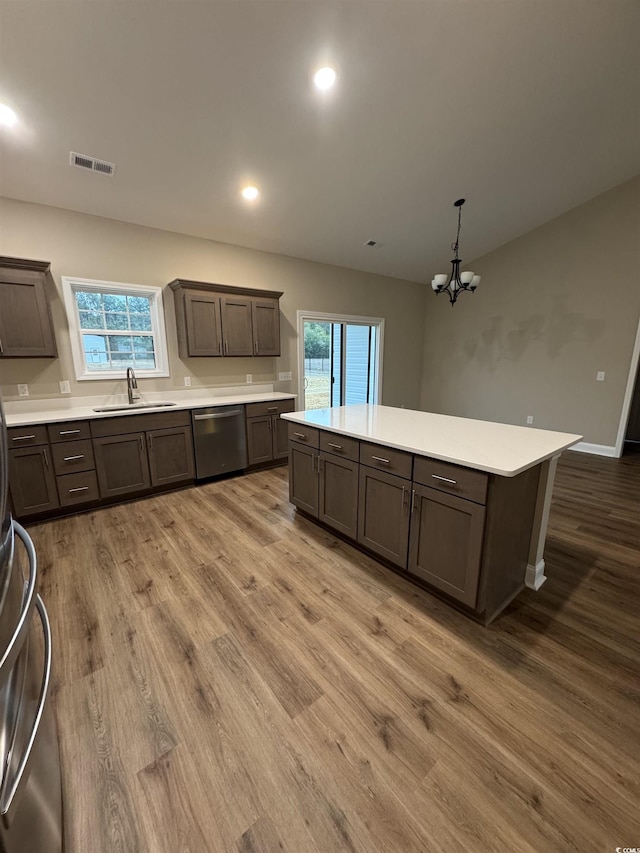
x,y
30,790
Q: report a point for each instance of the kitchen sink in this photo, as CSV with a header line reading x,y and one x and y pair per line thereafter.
x,y
131,407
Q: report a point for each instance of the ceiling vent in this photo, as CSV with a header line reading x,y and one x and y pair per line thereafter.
x,y
374,244
92,164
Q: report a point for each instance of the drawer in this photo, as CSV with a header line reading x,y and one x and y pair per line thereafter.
x,y
273,407
71,456
454,479
340,445
386,459
27,436
78,488
69,431
304,434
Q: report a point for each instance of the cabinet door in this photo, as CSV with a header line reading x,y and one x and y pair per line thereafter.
x,y
446,542
338,499
170,455
260,439
265,315
25,321
303,477
121,464
237,334
383,514
203,324
32,481
280,437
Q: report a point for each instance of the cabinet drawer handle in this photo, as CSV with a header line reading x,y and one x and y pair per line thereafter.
x,y
23,438
73,458
272,408
301,435
336,446
79,489
381,459
68,431
445,479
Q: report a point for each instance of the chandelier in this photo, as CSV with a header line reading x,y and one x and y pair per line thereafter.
x,y
458,281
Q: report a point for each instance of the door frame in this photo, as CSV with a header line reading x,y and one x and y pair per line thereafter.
x,y
323,317
628,394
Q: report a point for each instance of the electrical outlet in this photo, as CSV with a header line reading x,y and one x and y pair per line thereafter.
x,y
285,376
249,378
600,376
529,419
23,390
187,382
65,387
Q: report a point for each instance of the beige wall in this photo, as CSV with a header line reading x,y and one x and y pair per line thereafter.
x,y
554,307
92,247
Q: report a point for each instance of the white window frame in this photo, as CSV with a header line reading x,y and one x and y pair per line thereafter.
x,y
71,284
321,317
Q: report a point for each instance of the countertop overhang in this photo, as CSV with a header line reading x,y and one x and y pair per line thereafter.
x,y
496,448
81,413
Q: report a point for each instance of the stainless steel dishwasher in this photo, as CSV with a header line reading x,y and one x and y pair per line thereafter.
x,y
220,440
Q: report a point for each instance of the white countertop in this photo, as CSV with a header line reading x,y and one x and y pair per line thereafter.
x,y
44,411
496,448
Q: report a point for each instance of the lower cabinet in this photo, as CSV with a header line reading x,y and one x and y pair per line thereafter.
x,y
446,542
303,477
383,514
122,464
267,433
32,481
338,493
259,440
170,455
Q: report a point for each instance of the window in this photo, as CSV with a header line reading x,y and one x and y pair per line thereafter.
x,y
114,326
340,359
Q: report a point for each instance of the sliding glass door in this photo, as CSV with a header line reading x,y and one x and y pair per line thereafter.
x,y
341,359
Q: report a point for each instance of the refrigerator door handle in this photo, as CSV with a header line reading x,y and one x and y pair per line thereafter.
x,y
15,645
22,775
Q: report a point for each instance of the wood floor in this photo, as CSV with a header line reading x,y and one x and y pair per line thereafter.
x,y
231,678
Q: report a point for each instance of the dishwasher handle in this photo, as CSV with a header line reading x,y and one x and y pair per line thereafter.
x,y
215,415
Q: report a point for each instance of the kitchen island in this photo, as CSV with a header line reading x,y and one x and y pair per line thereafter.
x,y
459,506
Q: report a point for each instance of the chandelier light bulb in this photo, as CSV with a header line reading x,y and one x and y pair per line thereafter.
x,y
466,277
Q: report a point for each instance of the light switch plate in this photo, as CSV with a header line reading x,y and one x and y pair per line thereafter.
x,y
249,378
187,382
65,387
529,419
23,390
285,376
600,376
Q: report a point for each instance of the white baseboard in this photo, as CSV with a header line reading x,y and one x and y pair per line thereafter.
x,y
535,576
598,449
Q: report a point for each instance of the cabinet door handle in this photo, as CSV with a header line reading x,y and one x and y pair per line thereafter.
x,y
301,435
69,431
220,347
23,438
141,444
320,461
335,446
270,424
79,489
413,500
73,458
313,462
46,456
404,496
381,459
256,347
445,479
1,347
226,347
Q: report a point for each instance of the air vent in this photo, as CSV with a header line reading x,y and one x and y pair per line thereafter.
x,y
91,163
374,244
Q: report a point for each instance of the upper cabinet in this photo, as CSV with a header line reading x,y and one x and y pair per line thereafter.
x,y
219,320
26,330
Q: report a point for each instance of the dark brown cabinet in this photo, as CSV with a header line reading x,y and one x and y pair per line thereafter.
x,y
383,514
303,477
267,433
26,330
446,542
122,464
221,320
32,481
338,495
170,455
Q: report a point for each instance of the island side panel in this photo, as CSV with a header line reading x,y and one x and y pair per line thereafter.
x,y
535,576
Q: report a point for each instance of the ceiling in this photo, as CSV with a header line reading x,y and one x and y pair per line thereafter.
x,y
525,107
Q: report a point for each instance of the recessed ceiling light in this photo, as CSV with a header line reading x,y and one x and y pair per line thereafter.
x,y
250,193
7,116
324,78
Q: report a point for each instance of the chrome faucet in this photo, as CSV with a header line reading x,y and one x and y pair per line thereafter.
x,y
132,383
